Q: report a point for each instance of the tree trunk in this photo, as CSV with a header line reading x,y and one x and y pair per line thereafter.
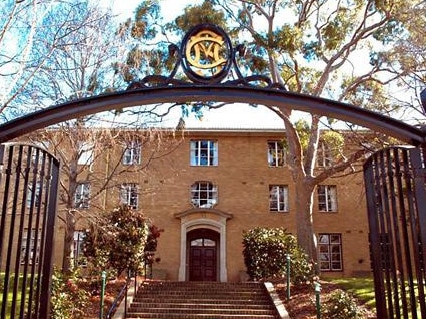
x,y
68,241
304,220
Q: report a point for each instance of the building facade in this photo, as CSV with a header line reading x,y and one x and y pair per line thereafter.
x,y
205,187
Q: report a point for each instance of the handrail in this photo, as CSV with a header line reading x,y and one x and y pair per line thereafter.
x,y
117,299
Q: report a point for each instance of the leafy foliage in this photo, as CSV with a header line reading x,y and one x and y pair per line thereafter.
x,y
117,241
151,245
341,306
265,252
68,300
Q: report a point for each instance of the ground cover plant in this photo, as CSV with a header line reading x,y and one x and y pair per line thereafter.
x,y
349,299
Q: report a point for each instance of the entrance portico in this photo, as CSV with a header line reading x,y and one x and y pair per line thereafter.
x,y
194,223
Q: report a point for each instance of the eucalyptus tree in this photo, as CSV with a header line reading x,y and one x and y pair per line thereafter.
x,y
332,49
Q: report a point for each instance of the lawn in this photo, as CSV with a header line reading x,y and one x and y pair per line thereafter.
x,y
361,288
10,294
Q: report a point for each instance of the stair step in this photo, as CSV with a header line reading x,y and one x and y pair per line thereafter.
x,y
195,316
244,302
201,300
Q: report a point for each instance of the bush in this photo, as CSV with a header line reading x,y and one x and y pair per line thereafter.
x,y
68,300
341,306
265,252
117,241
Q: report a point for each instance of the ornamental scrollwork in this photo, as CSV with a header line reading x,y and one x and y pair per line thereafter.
x,y
206,56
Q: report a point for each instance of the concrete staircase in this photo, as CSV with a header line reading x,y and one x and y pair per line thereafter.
x,y
207,300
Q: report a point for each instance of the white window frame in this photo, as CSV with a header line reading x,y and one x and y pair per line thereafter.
x,y
37,195
277,154
132,153
278,198
82,195
204,194
330,252
324,155
85,153
327,198
204,153
34,244
78,249
129,195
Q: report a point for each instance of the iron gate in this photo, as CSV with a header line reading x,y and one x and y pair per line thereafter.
x,y
28,184
396,199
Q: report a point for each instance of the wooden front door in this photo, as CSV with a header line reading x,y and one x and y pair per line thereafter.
x,y
203,259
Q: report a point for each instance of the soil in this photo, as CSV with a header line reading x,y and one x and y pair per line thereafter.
x,y
112,289
300,306
302,303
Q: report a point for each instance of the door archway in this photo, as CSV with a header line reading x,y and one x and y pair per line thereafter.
x,y
203,247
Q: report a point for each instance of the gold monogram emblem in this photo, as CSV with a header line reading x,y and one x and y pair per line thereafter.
x,y
206,53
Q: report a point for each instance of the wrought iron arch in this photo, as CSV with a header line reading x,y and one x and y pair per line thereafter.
x,y
207,57
214,92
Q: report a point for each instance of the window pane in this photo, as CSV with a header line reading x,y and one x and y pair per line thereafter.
x,y
203,153
330,249
276,154
85,153
209,242
204,194
129,195
197,242
132,153
278,198
327,198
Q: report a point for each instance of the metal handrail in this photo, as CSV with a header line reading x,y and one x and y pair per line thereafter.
x,y
117,299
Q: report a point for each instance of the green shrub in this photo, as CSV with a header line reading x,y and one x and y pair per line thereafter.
x,y
341,306
117,240
68,300
265,251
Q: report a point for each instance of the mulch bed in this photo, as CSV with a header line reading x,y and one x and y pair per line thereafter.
x,y
302,301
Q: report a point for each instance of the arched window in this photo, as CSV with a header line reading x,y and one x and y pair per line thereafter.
x,y
203,194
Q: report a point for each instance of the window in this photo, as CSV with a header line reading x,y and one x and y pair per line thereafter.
x,y
29,239
330,252
203,194
34,197
82,195
327,198
85,153
324,155
204,153
132,153
129,195
278,198
78,255
276,154
38,148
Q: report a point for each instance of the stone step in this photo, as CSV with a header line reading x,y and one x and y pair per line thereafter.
x,y
202,304
202,300
202,310
183,300
196,316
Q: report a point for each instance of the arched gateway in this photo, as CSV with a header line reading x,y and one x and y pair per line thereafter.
x,y
395,181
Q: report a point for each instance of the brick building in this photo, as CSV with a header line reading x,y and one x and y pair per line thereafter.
x,y
205,187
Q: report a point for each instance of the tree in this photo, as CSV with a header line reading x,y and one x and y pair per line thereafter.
x,y
34,38
80,66
313,47
117,240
